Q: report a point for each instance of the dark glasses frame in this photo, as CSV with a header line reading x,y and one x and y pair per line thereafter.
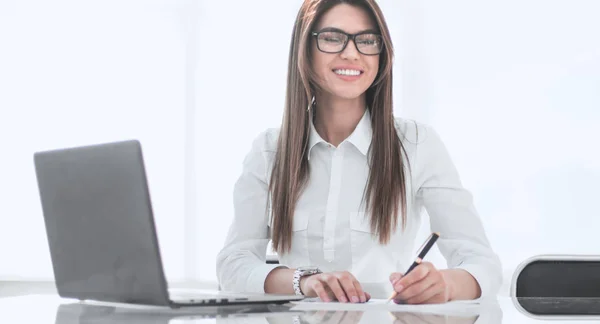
x,y
348,38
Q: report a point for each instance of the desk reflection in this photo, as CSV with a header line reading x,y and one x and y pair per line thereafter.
x,y
85,313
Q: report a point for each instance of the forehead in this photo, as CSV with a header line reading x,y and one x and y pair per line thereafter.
x,y
351,19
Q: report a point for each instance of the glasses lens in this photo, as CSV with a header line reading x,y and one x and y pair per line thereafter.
x,y
331,42
369,44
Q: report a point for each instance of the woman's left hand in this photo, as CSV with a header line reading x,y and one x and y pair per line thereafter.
x,y
423,285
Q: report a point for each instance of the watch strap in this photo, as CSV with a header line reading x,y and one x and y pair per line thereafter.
x,y
298,274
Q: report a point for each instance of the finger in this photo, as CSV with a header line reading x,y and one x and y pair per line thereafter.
x,y
319,289
336,288
368,296
418,287
347,281
359,291
395,276
419,272
428,296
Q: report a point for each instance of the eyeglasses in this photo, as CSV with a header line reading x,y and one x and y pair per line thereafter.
x,y
335,41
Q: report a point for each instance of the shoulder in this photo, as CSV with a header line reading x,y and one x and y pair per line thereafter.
x,y
260,156
414,133
421,141
266,141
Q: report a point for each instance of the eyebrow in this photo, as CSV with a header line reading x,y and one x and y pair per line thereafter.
x,y
370,30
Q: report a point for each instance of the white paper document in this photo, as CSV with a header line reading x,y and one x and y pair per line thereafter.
x,y
466,307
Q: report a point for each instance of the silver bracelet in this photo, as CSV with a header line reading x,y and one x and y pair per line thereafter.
x,y
303,272
296,283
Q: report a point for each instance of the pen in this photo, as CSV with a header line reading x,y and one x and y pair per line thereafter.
x,y
424,250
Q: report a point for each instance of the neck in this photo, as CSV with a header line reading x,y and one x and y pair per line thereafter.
x,y
336,118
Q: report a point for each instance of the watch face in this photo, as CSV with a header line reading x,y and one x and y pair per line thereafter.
x,y
308,269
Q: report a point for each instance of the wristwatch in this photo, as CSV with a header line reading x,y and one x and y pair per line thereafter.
x,y
303,272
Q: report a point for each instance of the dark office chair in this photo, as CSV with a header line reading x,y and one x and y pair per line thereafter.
x,y
558,285
272,259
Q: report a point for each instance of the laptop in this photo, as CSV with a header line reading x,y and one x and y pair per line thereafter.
x,y
101,231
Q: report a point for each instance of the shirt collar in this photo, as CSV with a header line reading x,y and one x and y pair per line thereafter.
x,y
360,137
363,133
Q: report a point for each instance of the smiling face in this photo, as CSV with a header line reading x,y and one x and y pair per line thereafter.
x,y
347,74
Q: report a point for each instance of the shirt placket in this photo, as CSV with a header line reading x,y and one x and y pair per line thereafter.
x,y
332,203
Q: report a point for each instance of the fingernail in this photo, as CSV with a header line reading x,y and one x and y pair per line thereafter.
x,y
363,299
343,299
394,281
354,299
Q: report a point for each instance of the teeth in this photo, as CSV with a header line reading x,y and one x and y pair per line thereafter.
x,y
347,72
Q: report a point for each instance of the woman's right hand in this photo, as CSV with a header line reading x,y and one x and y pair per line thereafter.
x,y
341,286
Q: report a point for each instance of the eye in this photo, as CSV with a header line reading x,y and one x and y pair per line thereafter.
x,y
332,37
369,40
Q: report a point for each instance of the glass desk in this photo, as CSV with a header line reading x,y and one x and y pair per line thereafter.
x,y
51,309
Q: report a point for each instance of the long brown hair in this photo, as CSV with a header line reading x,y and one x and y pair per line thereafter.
x,y
385,191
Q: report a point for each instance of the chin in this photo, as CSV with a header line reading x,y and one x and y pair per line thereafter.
x,y
348,94
348,97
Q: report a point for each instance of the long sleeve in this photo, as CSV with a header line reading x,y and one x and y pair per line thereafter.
x,y
463,241
241,264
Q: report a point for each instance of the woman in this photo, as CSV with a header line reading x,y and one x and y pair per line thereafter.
x,y
340,186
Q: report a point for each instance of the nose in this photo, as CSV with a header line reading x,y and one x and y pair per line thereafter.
x,y
350,52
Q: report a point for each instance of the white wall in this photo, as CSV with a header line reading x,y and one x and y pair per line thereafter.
x,y
514,91
74,73
241,89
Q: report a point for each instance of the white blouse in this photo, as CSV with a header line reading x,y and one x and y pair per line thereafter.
x,y
330,228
